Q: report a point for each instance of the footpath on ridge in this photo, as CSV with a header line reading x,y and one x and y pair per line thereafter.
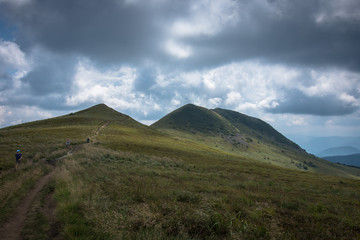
x,y
12,229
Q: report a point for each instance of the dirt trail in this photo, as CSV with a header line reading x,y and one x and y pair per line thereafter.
x,y
93,138
12,229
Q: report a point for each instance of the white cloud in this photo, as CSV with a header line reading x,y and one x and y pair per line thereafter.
x,y
215,102
14,65
349,99
21,114
292,120
178,50
114,87
207,17
298,121
94,86
233,98
340,83
11,56
240,86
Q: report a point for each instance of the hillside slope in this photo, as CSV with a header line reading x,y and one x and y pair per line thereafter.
x,y
135,182
191,118
241,135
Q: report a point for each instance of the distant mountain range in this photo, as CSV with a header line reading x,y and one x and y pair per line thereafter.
x,y
316,145
351,160
339,151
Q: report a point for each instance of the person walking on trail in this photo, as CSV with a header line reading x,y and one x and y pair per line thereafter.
x,y
18,156
67,144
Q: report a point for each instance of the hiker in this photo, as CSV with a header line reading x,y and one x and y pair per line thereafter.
x,y
88,140
67,144
18,156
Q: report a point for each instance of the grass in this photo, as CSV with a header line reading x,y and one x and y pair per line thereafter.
x,y
138,183
134,196
38,217
14,187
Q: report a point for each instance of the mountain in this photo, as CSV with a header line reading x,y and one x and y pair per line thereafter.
x,y
255,127
93,115
191,118
203,174
339,151
351,160
227,124
316,145
233,133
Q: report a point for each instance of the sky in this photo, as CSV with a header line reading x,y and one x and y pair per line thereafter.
x,y
292,63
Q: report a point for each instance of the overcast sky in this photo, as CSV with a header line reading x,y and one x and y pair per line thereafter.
x,y
293,63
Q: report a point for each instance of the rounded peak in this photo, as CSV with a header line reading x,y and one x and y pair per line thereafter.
x,y
190,105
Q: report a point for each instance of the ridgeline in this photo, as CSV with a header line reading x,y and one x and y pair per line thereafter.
x,y
194,174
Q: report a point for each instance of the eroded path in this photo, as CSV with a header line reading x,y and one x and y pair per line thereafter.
x,y
12,229
93,138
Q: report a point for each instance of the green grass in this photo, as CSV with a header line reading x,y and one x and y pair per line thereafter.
x,y
236,134
138,183
36,216
133,196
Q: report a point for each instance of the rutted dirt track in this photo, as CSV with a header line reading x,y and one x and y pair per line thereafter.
x,y
12,229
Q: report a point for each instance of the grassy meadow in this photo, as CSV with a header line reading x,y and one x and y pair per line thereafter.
x,y
107,194
134,182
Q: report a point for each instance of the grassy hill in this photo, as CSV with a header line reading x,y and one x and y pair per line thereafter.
x,y
237,134
135,182
256,128
191,118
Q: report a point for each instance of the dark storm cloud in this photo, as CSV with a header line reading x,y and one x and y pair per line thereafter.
x,y
298,103
108,31
5,81
291,35
111,33
51,75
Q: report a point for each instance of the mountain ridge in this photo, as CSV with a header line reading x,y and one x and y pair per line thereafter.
x,y
339,151
199,131
223,122
350,160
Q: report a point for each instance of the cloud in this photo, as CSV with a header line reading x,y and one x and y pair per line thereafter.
x,y
104,31
205,18
11,55
328,105
256,87
178,50
146,57
17,115
114,87
339,11
204,32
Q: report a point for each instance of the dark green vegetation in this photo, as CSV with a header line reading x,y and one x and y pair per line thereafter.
x,y
188,182
237,134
